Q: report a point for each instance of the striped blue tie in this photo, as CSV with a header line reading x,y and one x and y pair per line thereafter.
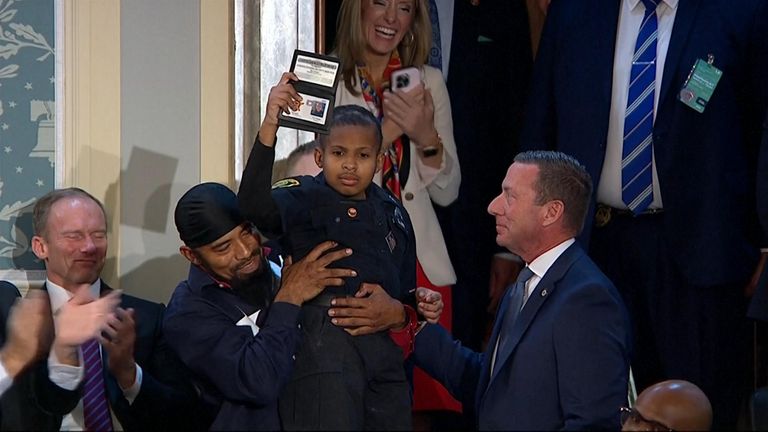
x,y
435,52
637,153
95,406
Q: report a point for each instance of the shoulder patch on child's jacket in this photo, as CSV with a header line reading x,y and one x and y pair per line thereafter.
x,y
397,217
286,183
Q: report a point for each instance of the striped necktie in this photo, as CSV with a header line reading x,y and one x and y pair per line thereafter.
x,y
637,152
515,303
436,52
95,407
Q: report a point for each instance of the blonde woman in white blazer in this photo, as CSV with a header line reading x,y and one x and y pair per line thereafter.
x,y
373,32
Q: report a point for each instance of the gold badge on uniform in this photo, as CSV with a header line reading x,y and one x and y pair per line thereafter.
x,y
286,183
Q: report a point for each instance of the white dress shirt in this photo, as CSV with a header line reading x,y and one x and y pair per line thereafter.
x,y
630,18
539,267
69,377
5,379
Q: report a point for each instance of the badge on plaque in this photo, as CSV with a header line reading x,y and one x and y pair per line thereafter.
x,y
700,84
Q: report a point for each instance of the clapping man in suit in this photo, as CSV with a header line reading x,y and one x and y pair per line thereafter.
x,y
558,357
662,101
122,376
26,337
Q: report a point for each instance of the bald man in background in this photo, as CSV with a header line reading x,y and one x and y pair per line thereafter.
x,y
669,405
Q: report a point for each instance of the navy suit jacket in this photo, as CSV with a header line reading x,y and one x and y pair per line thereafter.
x,y
705,161
758,309
566,365
166,399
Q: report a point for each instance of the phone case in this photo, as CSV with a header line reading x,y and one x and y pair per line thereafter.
x,y
405,79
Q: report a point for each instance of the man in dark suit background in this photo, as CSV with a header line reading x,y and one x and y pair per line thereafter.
x,y
558,357
758,308
487,69
123,376
682,262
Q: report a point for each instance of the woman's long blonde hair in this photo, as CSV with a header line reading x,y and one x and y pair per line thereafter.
x,y
351,43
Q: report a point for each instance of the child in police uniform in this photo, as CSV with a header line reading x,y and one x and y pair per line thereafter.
x,y
340,382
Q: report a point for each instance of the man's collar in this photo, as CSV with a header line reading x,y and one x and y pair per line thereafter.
x,y
543,262
59,295
672,4
199,278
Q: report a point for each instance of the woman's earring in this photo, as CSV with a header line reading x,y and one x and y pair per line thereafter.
x,y
408,39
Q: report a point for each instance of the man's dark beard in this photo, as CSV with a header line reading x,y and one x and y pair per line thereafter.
x,y
257,288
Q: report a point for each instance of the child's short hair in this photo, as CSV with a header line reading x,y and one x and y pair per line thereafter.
x,y
353,115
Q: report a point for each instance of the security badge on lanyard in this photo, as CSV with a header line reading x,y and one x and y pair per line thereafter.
x,y
700,84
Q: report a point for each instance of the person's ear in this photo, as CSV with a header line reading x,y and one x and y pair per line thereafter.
x,y
189,254
39,247
552,212
319,158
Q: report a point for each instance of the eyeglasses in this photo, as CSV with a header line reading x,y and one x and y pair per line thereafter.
x,y
631,415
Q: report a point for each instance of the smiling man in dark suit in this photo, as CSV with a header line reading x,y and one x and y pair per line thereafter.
x,y
122,376
558,357
676,226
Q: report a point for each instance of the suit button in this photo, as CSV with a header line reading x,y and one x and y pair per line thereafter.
x,y
408,196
